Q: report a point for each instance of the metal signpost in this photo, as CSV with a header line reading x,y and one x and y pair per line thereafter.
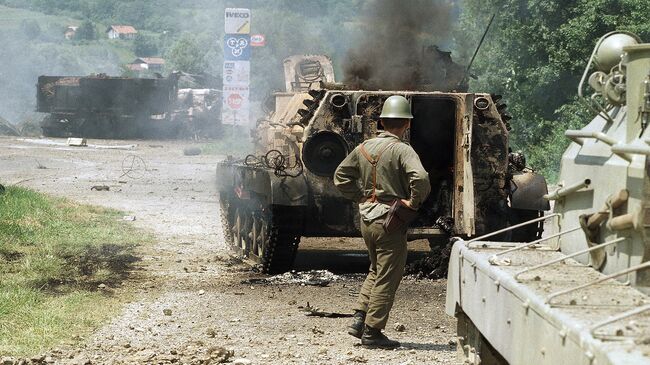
x,y
236,68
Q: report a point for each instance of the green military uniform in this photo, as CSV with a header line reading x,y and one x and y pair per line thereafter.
x,y
399,175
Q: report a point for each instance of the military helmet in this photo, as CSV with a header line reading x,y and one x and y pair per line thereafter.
x,y
396,107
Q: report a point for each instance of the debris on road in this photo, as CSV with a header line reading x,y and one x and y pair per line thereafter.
x,y
77,142
312,277
241,361
317,312
219,355
7,129
49,142
399,327
192,151
432,266
134,167
101,188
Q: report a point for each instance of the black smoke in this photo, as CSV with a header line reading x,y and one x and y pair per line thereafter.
x,y
396,48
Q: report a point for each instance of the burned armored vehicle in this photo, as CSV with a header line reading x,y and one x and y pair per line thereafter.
x,y
285,190
101,106
580,294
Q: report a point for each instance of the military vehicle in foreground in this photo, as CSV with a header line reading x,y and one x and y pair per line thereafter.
x,y
101,106
284,190
580,294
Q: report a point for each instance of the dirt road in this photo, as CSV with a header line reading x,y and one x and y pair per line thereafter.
x,y
192,304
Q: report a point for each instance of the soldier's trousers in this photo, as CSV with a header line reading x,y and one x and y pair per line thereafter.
x,y
387,254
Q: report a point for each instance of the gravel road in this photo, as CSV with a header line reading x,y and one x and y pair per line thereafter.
x,y
192,301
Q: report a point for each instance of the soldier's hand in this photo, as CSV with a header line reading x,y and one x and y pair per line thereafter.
x,y
407,203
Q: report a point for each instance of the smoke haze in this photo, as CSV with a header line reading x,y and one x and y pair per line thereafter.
x,y
388,52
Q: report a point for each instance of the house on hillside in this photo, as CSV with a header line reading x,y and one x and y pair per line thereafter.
x,y
148,63
70,32
121,32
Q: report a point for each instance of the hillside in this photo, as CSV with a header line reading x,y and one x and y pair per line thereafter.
x,y
34,44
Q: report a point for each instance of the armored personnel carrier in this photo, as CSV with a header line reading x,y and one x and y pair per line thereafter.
x,y
285,190
579,295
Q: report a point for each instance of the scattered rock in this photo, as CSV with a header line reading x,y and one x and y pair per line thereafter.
x,y
322,351
358,358
400,327
241,361
220,354
101,286
7,361
211,333
101,188
201,292
167,312
192,151
128,218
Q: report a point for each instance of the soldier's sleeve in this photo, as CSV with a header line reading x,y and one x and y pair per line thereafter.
x,y
418,177
346,177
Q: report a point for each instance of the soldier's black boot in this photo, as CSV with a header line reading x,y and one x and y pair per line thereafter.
x,y
356,328
374,338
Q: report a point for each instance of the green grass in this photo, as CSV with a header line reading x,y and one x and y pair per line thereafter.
x,y
53,255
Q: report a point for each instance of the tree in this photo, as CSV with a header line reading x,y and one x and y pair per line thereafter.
x,y
188,55
31,29
534,55
145,46
86,31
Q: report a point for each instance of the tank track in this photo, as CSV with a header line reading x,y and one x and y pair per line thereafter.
x,y
267,235
283,242
225,224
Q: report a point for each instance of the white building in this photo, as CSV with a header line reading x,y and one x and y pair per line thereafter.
x,y
121,32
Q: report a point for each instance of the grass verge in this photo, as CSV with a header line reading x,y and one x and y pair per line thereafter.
x,y
53,255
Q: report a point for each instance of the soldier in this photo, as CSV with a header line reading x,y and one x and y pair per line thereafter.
x,y
375,174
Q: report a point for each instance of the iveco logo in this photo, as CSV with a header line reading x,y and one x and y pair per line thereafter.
x,y
238,15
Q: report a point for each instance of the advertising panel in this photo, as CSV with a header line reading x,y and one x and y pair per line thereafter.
x,y
238,21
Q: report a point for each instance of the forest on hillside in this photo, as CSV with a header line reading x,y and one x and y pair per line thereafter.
x,y
533,55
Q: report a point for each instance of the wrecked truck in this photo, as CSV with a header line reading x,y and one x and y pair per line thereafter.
x,y
101,106
284,191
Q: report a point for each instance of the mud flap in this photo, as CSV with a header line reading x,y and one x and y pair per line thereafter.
x,y
528,190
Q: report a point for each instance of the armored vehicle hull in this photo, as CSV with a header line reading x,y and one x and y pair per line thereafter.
x,y
120,107
285,190
579,295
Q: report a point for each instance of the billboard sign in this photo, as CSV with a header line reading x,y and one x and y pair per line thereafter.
x,y
237,47
238,21
258,40
236,73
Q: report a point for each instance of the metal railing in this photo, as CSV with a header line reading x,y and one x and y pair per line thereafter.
x,y
507,229
629,270
577,253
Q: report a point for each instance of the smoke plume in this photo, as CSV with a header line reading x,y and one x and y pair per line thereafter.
x,y
395,50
